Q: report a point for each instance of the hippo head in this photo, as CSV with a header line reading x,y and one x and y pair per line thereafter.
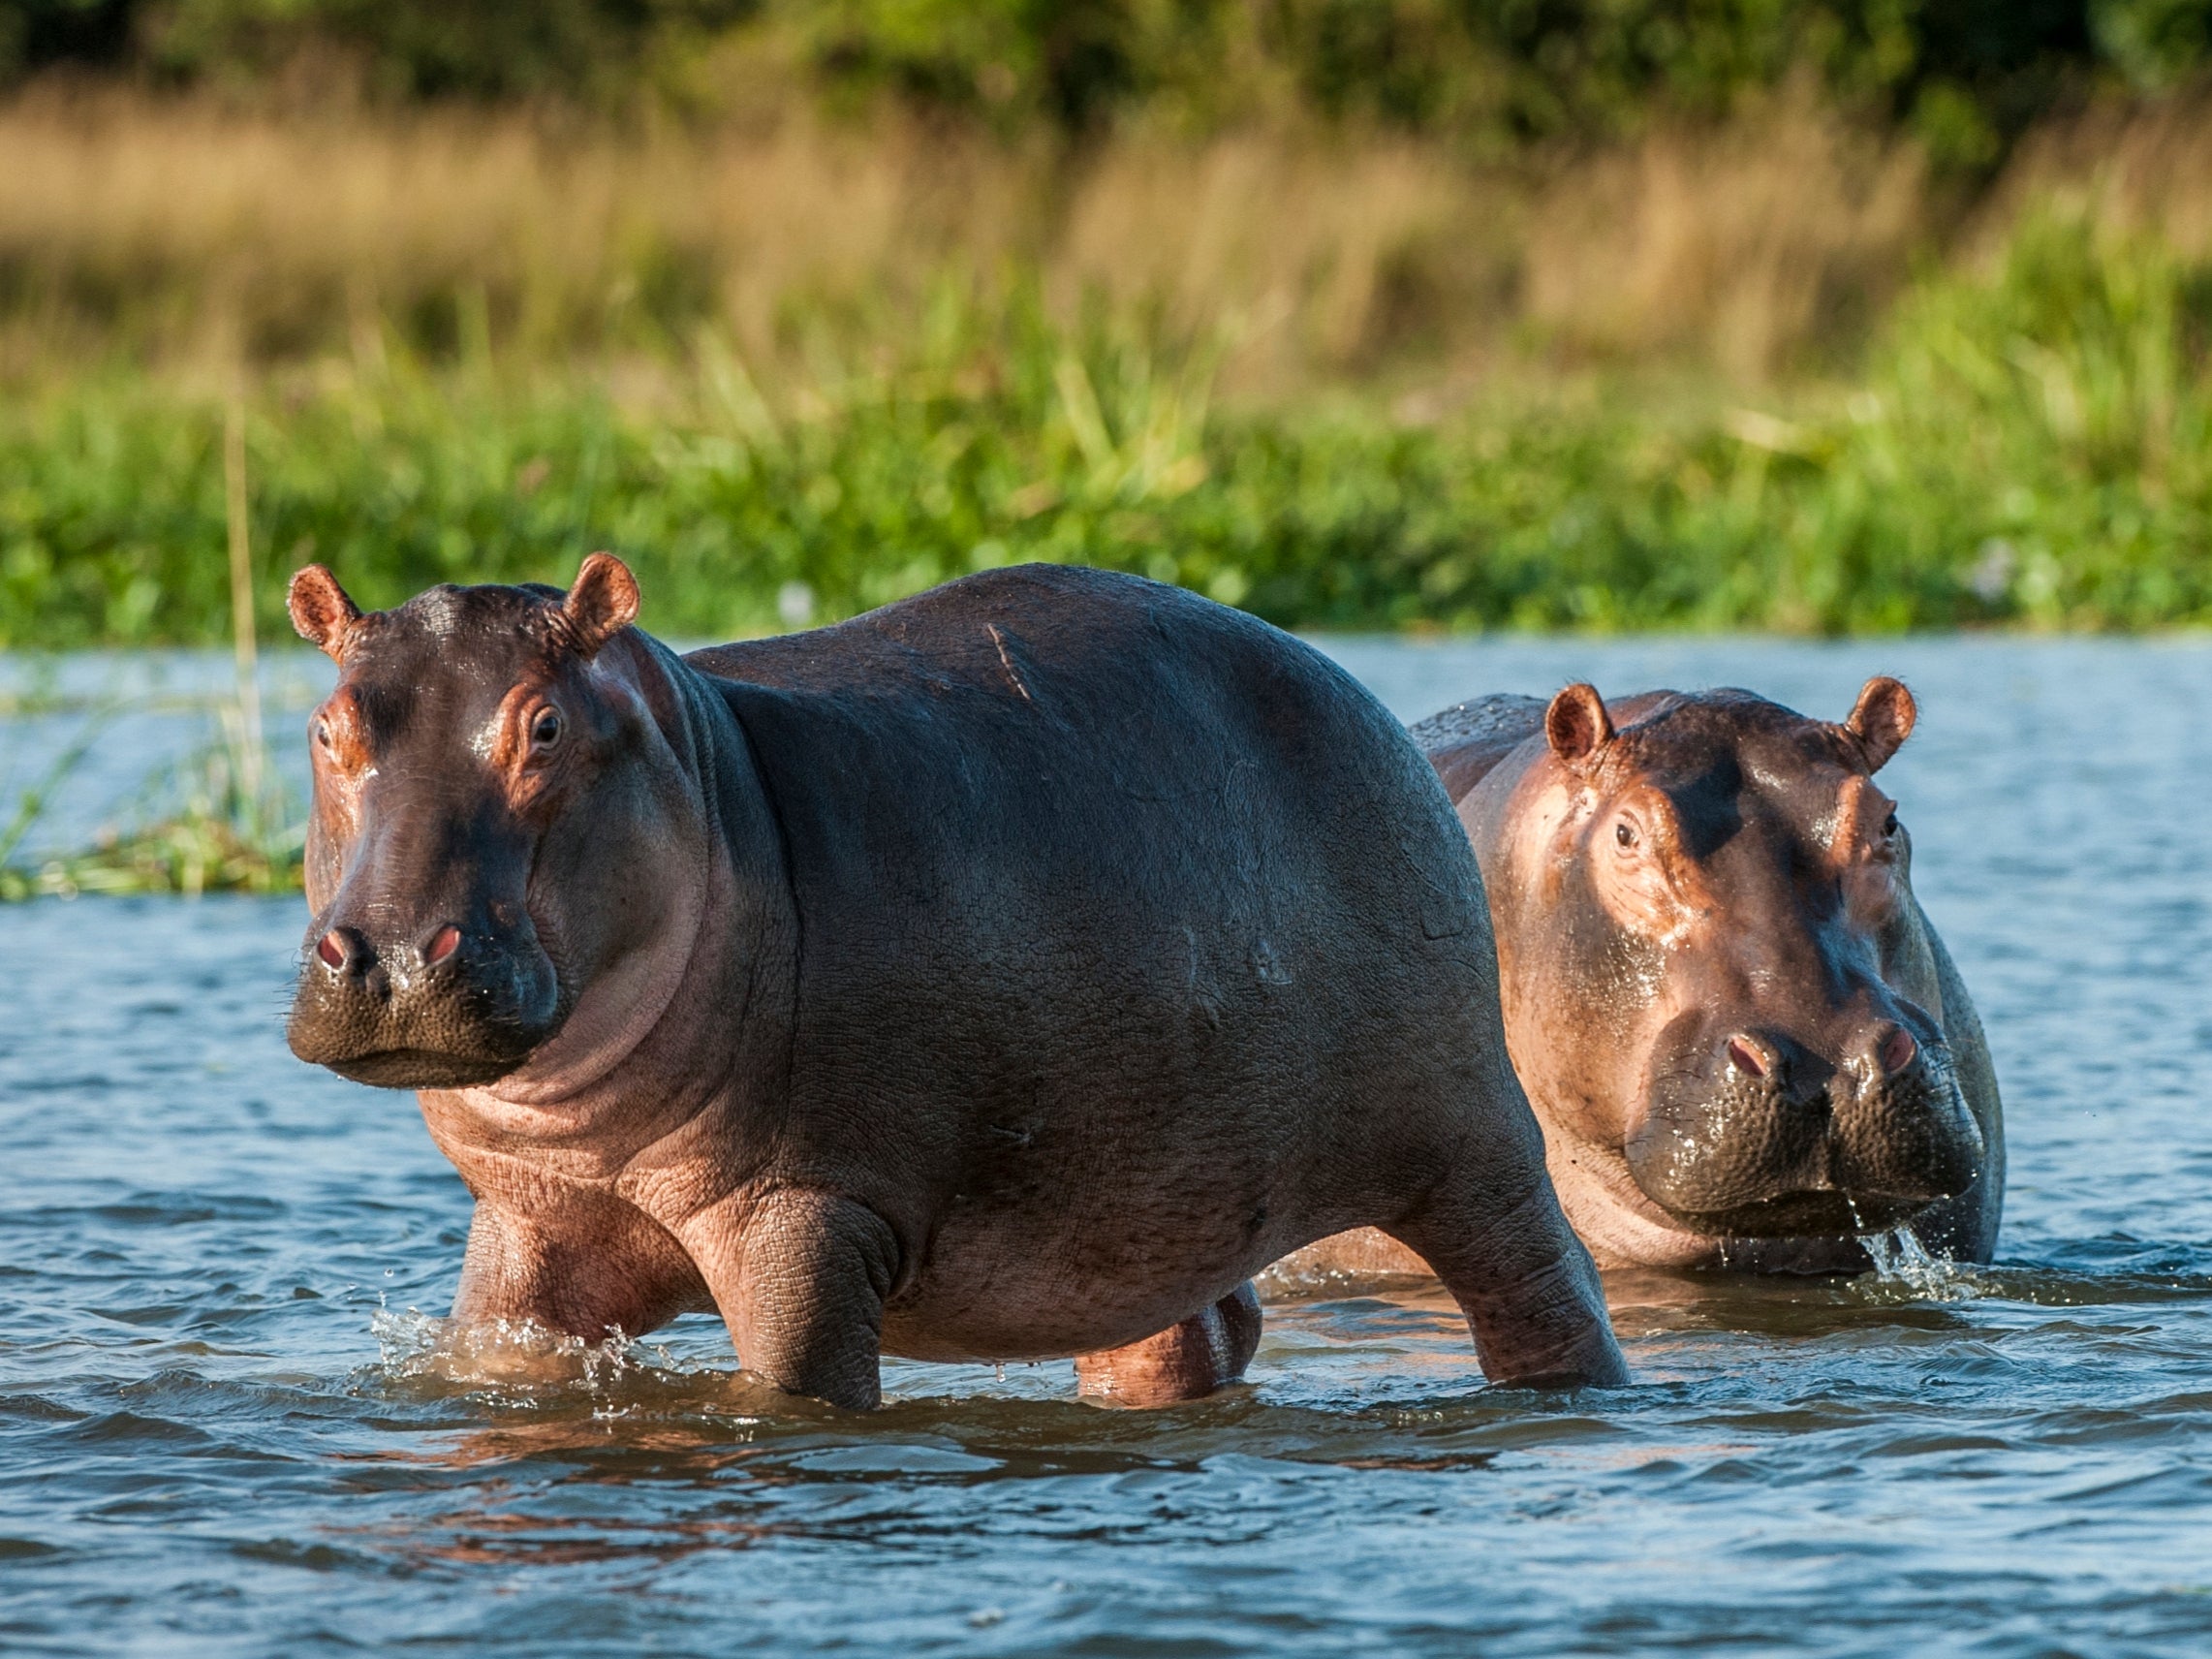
x,y
1712,958
482,771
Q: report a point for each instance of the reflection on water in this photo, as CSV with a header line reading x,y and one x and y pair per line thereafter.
x,y
223,1430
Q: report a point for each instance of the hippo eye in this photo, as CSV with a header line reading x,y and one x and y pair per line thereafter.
x,y
1625,835
323,733
545,729
1890,825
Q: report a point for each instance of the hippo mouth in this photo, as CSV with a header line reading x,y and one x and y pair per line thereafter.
x,y
470,1018
422,1069
1819,1214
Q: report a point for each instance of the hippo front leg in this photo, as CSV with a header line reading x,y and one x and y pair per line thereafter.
x,y
1205,1352
800,1276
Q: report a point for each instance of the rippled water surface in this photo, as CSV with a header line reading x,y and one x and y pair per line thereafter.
x,y
222,1430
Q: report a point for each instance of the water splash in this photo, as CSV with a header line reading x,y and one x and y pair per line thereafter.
x,y
1902,1263
511,1354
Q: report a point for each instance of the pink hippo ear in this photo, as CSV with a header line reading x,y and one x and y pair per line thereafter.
x,y
1577,724
1882,719
322,610
602,602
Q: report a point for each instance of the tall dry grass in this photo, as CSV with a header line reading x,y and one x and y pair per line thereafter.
x,y
2133,172
1740,246
183,230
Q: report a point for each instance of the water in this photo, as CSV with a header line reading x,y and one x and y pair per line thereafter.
x,y
223,1431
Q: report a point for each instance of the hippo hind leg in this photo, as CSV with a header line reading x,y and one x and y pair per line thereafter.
x,y
1205,1352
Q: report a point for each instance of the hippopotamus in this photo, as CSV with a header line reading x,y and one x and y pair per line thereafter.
x,y
1006,974
1746,1043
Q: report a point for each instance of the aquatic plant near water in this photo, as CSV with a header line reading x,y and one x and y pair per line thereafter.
x,y
227,826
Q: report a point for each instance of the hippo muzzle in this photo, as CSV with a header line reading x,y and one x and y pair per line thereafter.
x,y
450,1008
1754,1135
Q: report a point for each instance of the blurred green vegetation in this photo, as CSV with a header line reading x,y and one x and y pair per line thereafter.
x,y
2030,444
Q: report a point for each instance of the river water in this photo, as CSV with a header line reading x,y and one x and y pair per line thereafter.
x,y
225,1429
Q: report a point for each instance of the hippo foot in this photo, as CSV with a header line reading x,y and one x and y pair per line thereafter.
x,y
1186,1361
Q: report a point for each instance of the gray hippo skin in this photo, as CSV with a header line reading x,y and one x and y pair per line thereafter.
x,y
1008,973
1745,1043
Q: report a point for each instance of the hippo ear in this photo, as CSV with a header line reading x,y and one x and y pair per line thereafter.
x,y
1577,724
1882,719
602,602
322,610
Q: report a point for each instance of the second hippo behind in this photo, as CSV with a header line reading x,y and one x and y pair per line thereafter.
x,y
1745,1043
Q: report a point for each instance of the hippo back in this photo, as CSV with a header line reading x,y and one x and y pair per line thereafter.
x,y
1465,741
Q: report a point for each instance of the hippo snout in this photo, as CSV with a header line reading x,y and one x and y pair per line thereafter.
x,y
1756,1133
444,1006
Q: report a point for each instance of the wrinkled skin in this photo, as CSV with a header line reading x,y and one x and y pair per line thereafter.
x,y
1010,973
1746,1044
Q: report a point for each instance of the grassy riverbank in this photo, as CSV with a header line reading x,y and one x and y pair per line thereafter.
x,y
2028,443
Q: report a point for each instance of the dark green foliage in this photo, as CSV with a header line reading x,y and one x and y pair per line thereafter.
x,y
1552,67
431,48
2156,43
86,34
1067,60
1969,74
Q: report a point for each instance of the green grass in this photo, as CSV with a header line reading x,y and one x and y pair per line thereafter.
x,y
2028,446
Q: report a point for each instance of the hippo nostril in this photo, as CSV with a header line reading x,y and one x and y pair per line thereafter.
x,y
1749,1055
1897,1051
443,944
341,950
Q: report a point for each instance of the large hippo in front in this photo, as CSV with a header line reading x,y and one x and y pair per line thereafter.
x,y
1008,973
1745,1043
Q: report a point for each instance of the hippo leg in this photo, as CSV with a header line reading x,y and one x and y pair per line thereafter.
x,y
1528,1287
800,1282
1185,1361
